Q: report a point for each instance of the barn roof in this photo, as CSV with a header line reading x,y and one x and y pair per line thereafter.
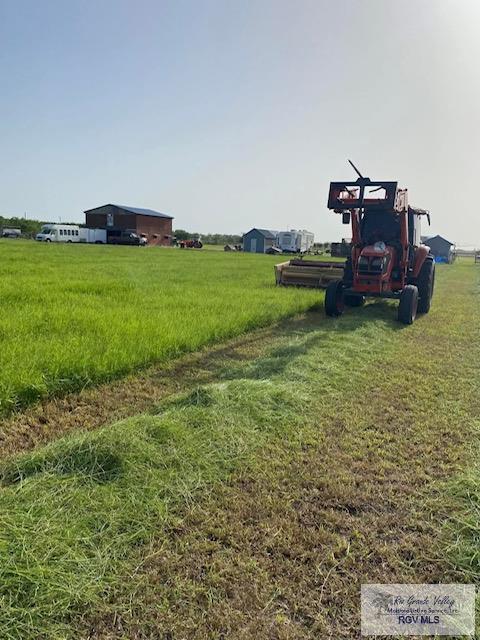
x,y
137,210
430,238
267,233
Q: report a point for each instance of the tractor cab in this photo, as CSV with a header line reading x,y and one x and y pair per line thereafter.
x,y
378,225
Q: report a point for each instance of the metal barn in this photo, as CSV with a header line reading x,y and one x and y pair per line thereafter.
x,y
153,225
258,240
442,249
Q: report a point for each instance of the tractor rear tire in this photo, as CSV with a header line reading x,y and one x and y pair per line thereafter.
x,y
334,299
407,309
425,284
352,300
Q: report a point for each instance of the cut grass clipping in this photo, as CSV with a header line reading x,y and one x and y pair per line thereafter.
x,y
72,512
75,315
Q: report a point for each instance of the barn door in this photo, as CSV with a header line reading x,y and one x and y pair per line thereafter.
x,y
253,245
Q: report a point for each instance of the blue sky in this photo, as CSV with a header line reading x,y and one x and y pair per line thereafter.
x,y
230,115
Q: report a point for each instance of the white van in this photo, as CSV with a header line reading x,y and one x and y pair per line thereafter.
x,y
59,233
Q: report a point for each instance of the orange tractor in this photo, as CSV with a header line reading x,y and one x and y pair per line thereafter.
x,y
388,259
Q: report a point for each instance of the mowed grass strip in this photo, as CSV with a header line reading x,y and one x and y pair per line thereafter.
x,y
74,315
462,526
341,414
360,495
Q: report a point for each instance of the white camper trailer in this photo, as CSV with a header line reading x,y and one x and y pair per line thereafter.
x,y
295,241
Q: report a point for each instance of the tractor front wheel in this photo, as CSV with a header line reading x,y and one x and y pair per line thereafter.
x,y
334,299
425,283
407,309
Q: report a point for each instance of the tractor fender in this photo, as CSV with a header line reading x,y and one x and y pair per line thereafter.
x,y
420,256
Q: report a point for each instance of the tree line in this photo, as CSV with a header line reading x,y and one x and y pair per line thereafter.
x,y
208,238
29,228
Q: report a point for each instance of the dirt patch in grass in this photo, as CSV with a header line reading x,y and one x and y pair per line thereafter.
x,y
97,406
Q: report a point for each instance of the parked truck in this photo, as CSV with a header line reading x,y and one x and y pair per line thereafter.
x,y
128,236
9,232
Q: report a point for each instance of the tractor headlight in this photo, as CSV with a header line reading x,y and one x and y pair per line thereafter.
x,y
363,263
376,264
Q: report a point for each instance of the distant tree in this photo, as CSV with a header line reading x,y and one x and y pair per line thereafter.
x,y
28,228
221,238
208,238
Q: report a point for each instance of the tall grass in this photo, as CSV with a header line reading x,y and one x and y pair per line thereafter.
x,y
73,315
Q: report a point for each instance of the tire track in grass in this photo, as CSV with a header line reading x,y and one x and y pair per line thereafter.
x,y
140,392
356,495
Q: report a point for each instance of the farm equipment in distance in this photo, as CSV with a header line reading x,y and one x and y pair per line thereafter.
x,y
387,260
190,244
341,249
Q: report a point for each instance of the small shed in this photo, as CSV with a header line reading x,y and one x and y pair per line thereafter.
x,y
442,249
258,240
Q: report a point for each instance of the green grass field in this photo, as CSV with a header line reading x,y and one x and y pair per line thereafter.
x,y
75,315
257,504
